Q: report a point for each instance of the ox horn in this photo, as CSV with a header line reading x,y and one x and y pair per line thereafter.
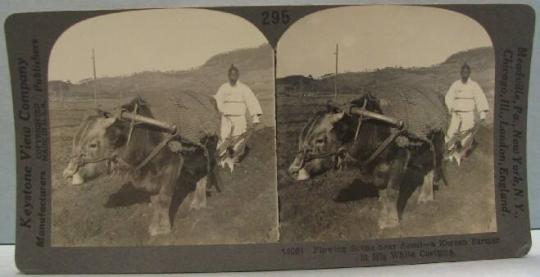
x,y
107,122
103,112
332,107
337,116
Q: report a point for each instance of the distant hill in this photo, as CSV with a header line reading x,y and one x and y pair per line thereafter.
x,y
256,67
255,64
436,79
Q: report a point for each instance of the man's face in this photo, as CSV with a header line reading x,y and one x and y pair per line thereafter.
x,y
233,77
465,74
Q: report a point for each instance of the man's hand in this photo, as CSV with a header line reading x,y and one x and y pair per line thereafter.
x,y
175,146
256,119
482,115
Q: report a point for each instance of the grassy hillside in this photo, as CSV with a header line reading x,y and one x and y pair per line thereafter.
x,y
255,65
436,78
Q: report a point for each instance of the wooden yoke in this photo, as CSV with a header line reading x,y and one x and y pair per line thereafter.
x,y
365,113
169,128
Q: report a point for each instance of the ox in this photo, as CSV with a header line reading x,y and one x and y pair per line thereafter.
x,y
148,153
378,145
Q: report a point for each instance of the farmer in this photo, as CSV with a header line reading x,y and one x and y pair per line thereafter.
x,y
237,104
466,102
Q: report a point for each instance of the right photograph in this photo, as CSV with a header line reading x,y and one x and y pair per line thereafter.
x,y
385,125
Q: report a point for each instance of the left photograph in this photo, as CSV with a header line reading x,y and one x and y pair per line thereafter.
x,y
162,131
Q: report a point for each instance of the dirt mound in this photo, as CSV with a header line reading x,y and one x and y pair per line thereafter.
x,y
194,114
422,112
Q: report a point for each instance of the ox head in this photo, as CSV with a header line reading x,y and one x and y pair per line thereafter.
x,y
322,142
318,144
97,139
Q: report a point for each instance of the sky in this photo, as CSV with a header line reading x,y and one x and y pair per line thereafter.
x,y
372,37
135,41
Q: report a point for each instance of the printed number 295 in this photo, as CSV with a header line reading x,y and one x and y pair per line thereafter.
x,y
275,17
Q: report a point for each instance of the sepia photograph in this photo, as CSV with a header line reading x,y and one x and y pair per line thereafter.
x,y
385,125
269,137
162,131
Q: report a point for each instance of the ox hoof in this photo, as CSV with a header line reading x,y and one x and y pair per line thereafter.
x,y
157,229
301,175
388,219
197,205
77,180
424,199
388,222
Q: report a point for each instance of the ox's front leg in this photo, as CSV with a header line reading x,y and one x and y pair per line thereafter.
x,y
388,197
199,196
426,190
161,203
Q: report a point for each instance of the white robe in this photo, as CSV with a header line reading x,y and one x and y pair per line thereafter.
x,y
235,100
236,104
466,97
462,101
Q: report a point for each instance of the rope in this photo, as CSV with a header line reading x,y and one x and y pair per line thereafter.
x,y
382,147
154,152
